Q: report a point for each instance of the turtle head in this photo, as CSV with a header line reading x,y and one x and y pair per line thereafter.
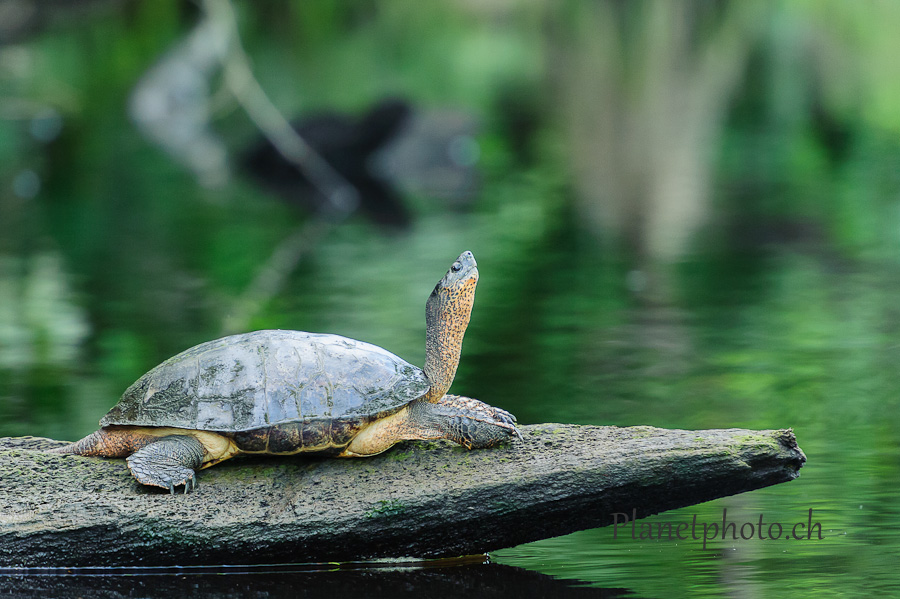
x,y
446,318
460,279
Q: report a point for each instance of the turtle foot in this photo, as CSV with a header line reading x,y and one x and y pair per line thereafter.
x,y
168,463
505,417
472,423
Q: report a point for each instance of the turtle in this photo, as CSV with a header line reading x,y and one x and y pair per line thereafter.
x,y
288,392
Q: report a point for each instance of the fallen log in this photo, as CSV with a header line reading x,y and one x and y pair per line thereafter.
x,y
423,499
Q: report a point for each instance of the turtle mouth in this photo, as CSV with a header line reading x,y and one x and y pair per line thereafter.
x,y
468,272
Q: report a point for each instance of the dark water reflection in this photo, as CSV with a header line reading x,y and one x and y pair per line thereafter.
x,y
399,580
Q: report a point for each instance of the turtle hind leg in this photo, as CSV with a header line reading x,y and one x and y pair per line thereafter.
x,y
469,422
109,442
168,462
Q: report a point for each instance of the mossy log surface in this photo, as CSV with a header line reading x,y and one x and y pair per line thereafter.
x,y
418,499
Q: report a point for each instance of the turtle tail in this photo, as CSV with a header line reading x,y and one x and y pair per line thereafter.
x,y
107,443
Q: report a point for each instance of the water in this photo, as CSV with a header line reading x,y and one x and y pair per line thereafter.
x,y
802,345
791,342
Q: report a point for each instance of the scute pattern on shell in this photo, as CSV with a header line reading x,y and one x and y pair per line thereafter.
x,y
266,378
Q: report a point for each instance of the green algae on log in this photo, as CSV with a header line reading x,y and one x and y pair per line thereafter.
x,y
420,499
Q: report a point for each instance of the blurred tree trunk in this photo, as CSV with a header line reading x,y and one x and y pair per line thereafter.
x,y
643,89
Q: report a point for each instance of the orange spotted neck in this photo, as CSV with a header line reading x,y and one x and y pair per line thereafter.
x,y
446,318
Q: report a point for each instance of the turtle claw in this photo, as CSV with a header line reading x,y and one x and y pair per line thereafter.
x,y
169,480
190,484
189,481
511,429
504,417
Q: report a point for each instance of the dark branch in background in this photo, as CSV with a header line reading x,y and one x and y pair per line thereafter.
x,y
341,197
356,146
172,106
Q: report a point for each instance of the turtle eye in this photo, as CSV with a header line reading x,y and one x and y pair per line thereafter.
x,y
456,267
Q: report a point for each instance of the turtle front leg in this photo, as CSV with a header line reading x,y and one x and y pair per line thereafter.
x,y
169,462
469,422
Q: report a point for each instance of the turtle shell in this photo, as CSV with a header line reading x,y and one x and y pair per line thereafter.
x,y
269,378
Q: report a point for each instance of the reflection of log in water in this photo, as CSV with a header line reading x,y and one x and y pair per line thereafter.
x,y
418,499
388,580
